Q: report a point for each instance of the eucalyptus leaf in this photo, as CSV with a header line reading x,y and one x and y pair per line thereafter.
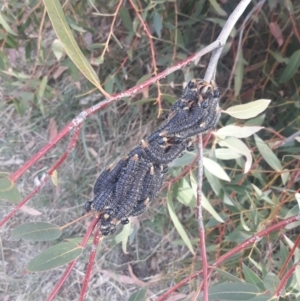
x,y
54,257
178,224
64,33
237,131
268,154
37,231
248,110
215,169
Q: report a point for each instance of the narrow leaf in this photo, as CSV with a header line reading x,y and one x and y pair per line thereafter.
x,y
65,35
226,154
252,278
237,131
248,110
157,22
185,194
125,17
205,203
239,74
178,225
55,256
186,159
232,291
268,154
285,176
5,24
271,282
291,68
218,8
54,178
36,232
239,147
216,169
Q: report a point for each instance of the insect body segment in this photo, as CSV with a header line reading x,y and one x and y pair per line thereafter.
x,y
128,188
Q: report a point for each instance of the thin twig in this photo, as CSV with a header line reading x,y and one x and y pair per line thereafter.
x,y
209,75
284,280
106,48
222,38
200,219
152,50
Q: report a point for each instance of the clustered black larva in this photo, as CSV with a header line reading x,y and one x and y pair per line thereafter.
x,y
130,186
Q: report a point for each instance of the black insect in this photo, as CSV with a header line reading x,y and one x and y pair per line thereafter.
x,y
131,185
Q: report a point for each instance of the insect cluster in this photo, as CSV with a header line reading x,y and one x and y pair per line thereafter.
x,y
128,188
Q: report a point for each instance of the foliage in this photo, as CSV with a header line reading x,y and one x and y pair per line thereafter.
x,y
251,163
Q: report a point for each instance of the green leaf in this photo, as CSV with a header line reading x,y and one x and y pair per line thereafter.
x,y
216,169
123,236
227,275
58,49
285,176
205,203
291,68
237,131
109,84
8,190
36,232
232,291
239,147
177,224
239,74
265,297
226,154
139,295
40,94
55,256
214,182
54,178
5,25
248,110
125,17
278,57
252,278
186,159
65,35
157,22
271,282
185,194
143,79
268,154
218,8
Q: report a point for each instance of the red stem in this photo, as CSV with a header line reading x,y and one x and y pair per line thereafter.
x,y
70,147
90,265
296,244
285,279
71,265
24,201
234,251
